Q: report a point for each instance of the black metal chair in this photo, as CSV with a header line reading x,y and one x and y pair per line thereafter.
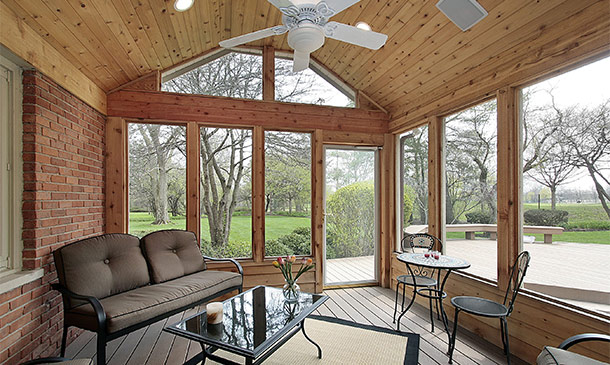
x,y
488,308
418,277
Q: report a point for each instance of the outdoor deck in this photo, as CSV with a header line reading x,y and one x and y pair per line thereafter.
x,y
576,272
368,305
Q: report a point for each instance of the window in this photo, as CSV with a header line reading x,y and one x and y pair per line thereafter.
x,y
413,189
157,178
236,75
471,188
287,193
226,192
308,86
10,167
566,185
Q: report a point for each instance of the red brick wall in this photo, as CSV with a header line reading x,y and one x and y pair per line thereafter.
x,y
63,201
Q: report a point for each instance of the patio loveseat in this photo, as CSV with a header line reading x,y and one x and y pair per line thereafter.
x,y
114,284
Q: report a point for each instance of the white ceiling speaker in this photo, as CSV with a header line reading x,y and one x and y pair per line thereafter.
x,y
306,22
464,13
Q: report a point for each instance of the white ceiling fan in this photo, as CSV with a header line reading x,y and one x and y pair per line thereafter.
x,y
306,22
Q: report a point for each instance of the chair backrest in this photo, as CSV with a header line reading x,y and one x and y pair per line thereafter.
x,y
517,275
422,241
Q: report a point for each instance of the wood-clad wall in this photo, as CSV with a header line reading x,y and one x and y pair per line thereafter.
x,y
328,125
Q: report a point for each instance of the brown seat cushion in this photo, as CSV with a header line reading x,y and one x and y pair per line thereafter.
x,y
125,309
102,266
172,254
555,356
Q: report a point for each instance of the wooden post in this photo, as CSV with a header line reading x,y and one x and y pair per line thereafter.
x,y
193,216
258,194
436,177
387,199
317,212
268,73
116,175
510,223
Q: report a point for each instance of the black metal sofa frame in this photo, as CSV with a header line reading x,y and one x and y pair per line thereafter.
x,y
103,335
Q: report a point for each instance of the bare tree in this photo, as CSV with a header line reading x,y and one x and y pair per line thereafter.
x,y
586,135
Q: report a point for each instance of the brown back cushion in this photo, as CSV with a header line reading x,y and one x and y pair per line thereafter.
x,y
172,254
102,266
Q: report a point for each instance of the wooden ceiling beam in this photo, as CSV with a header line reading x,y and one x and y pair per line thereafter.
x,y
163,106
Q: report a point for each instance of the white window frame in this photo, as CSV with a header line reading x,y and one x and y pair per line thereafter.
x,y
11,127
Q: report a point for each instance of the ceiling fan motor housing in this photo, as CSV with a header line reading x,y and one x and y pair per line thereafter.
x,y
306,38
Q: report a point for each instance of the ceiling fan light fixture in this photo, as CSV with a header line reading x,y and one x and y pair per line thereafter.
x,y
183,5
306,38
363,26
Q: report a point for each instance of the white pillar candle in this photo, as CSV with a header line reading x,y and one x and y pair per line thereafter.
x,y
214,311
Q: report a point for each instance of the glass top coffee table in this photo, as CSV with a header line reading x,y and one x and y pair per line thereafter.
x,y
255,324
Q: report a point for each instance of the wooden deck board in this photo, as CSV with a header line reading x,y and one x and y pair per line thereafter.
x,y
350,269
366,305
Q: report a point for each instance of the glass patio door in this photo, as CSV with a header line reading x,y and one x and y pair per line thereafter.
x,y
350,212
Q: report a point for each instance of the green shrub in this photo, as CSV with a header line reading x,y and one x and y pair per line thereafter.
x,y
544,217
231,249
298,242
407,204
293,214
480,217
351,216
589,225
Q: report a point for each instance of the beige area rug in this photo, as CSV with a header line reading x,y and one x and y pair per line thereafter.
x,y
342,342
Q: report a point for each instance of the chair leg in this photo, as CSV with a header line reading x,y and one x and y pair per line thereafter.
x,y
404,290
101,348
505,339
64,338
396,302
431,314
453,335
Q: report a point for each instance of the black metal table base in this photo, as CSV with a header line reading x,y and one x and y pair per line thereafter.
x,y
433,294
208,351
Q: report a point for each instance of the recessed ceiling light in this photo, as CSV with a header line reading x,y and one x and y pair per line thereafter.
x,y
363,26
183,5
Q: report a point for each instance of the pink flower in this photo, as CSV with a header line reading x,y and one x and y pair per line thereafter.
x,y
280,261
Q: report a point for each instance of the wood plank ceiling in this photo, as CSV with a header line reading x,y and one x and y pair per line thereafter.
x,y
426,56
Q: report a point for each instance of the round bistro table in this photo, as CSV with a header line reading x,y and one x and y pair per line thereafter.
x,y
444,262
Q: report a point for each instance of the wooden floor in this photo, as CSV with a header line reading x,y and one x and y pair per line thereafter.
x,y
367,305
350,270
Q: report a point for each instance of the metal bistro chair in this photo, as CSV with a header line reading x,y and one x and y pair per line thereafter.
x,y
488,308
418,277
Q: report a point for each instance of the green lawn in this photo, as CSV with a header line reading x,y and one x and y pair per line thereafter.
x,y
576,212
276,226
602,237
241,226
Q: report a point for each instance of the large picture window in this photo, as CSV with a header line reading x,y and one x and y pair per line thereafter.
x,y
413,187
287,193
566,185
226,192
157,177
471,188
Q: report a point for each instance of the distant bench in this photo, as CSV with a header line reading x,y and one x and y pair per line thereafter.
x,y
470,230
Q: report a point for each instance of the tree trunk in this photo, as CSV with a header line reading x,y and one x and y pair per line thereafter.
x,y
601,193
553,196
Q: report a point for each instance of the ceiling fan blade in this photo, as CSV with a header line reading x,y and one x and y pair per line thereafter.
x,y
300,61
339,5
250,37
353,35
281,3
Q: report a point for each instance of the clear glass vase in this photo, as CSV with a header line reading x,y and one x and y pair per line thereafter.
x,y
291,291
